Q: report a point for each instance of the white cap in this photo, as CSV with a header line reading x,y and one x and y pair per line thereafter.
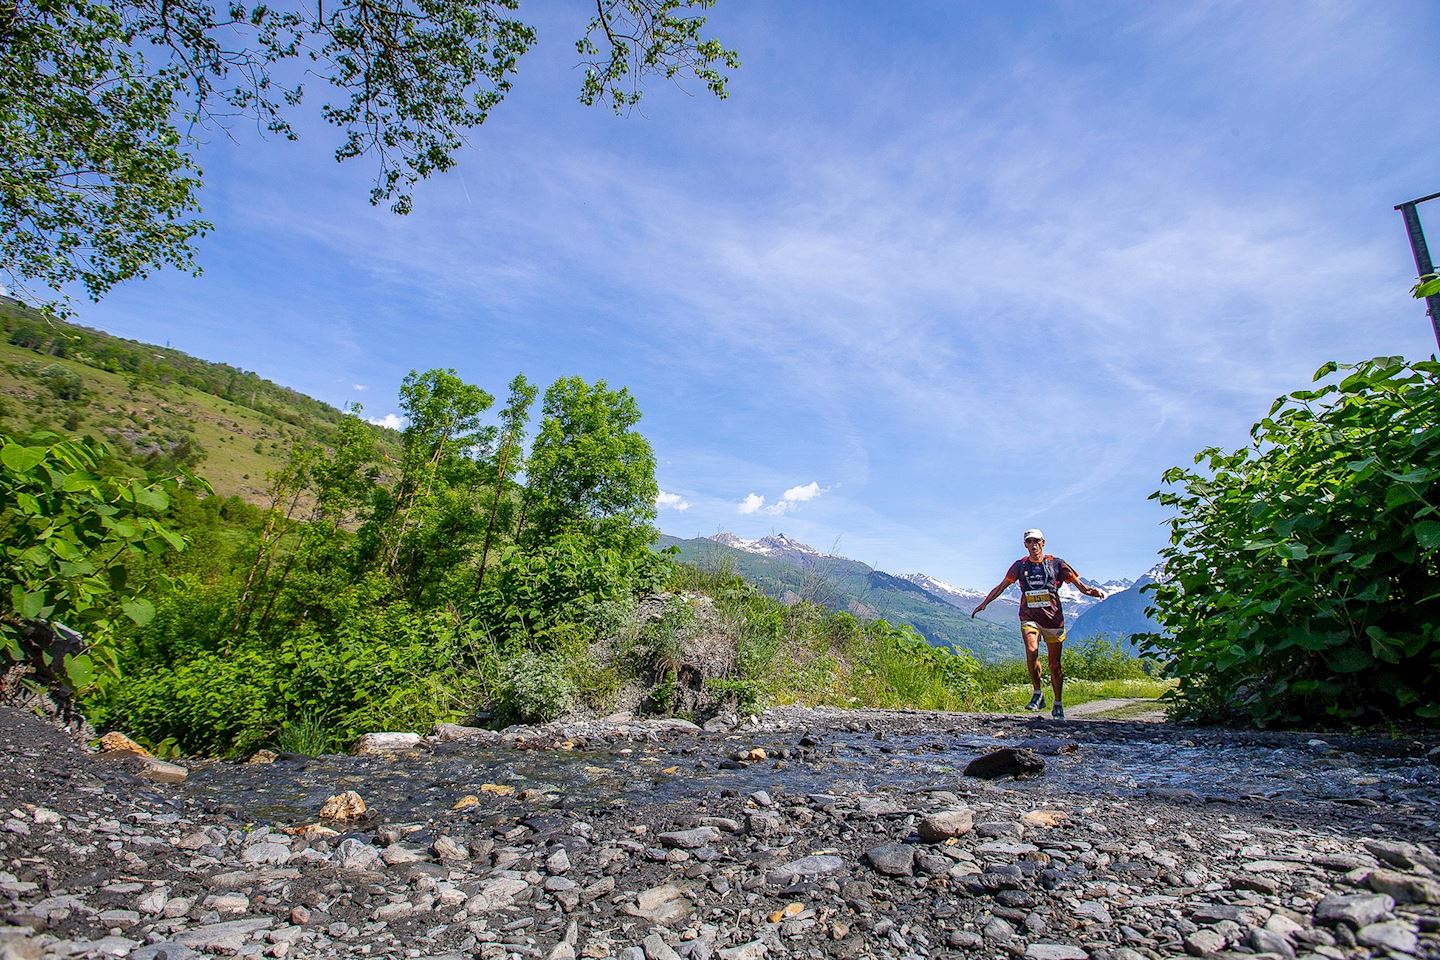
x,y
1033,535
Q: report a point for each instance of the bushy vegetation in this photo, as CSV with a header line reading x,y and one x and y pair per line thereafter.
x,y
394,580
392,592
1301,580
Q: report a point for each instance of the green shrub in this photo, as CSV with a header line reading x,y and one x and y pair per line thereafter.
x,y
1301,578
534,689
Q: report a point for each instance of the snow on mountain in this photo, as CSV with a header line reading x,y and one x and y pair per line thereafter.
x,y
775,545
967,598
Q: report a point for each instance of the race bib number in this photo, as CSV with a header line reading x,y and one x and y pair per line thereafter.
x,y
1037,598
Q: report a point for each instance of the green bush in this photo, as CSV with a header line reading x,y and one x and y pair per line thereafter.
x,y
534,689
1301,578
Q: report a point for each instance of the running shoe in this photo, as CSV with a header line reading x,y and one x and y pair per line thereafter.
x,y
1037,702
1058,711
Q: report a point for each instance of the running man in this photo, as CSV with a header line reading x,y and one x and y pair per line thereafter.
x,y
1040,576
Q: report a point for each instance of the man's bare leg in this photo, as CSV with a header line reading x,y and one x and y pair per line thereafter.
x,y
1057,679
1032,657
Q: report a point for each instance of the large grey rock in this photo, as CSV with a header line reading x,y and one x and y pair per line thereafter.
x,y
1055,951
355,854
657,949
380,744
1404,887
1204,942
1006,762
447,732
266,853
665,904
892,859
1404,856
1355,909
1392,935
495,894
754,950
1262,940
942,826
690,839
219,936
819,865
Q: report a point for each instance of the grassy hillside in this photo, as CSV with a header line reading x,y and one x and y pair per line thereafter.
x,y
857,588
156,405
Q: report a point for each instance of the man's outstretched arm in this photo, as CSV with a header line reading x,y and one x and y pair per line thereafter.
x,y
999,589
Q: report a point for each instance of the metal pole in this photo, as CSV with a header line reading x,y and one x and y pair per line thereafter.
x,y
1423,265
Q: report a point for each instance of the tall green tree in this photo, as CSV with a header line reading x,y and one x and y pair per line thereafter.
x,y
590,472
509,460
101,102
429,527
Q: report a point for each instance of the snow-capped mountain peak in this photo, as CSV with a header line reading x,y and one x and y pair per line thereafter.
x,y
774,545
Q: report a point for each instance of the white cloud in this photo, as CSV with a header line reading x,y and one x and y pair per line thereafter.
x,y
751,503
391,420
794,496
802,493
358,386
671,501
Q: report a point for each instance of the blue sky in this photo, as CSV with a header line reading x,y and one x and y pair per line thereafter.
x,y
942,271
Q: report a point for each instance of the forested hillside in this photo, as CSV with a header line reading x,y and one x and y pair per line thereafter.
x,y
158,407
856,588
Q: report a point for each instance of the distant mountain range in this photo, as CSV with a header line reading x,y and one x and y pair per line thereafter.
x,y
791,571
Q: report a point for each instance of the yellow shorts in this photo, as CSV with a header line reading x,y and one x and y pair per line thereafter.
x,y
1051,634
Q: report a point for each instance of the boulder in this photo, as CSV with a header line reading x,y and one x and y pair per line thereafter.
x,y
1006,762
1356,909
381,744
343,806
161,772
892,859
942,826
119,743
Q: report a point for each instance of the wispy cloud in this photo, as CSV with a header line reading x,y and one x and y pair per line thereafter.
x,y
793,497
358,387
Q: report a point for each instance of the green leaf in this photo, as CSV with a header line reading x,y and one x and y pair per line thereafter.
x,y
1427,534
21,459
79,671
139,610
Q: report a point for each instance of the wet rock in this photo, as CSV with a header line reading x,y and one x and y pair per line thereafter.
x,y
892,859
938,827
1355,909
1006,762
451,732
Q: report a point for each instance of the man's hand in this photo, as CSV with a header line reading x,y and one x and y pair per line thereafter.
x,y
1095,592
976,610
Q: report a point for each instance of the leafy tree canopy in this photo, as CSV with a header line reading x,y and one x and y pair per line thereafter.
x,y
101,101
1301,582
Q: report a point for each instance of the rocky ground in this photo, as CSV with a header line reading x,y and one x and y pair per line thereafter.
x,y
800,834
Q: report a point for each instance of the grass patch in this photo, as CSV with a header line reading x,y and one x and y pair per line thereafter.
x,y
1012,698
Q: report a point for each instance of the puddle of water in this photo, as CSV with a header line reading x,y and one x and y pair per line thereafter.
x,y
425,786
